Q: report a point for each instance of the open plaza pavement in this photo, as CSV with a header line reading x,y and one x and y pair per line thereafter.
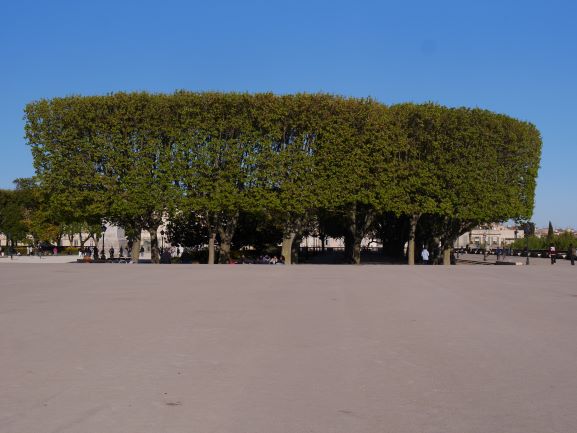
x,y
111,348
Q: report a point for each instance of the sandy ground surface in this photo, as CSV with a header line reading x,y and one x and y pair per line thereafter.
x,y
271,349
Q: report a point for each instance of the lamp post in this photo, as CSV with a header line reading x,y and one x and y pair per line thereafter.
x,y
103,229
527,231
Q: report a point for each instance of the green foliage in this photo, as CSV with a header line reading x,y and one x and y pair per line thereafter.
x,y
135,159
187,230
12,213
561,242
24,211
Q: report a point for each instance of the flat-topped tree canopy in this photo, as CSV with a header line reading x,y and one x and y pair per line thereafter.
x,y
131,158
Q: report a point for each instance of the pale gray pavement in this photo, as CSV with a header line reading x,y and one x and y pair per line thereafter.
x,y
39,260
272,349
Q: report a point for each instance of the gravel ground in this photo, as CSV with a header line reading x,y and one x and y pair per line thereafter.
x,y
273,349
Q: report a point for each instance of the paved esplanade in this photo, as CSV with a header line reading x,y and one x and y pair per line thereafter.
x,y
273,349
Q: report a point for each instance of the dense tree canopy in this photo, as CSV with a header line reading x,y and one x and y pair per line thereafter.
x,y
25,215
299,162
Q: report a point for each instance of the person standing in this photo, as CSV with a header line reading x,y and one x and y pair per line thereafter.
x,y
425,256
571,252
552,254
111,252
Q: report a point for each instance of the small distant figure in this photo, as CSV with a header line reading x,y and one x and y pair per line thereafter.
x,y
282,260
121,252
141,252
425,256
111,252
54,251
273,261
553,254
571,252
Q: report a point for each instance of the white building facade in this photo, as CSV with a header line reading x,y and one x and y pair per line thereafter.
x,y
491,236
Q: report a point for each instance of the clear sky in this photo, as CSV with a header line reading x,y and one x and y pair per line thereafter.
x,y
510,56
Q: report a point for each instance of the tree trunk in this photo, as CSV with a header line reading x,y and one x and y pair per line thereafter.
x,y
211,242
224,256
351,228
296,246
446,255
412,231
291,239
154,250
287,246
135,251
357,250
226,232
360,218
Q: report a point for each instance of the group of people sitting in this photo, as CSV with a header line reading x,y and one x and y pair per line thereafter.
x,y
261,260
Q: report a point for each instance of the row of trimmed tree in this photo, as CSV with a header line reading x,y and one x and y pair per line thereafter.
x,y
303,163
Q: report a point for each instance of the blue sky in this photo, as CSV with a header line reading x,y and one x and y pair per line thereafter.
x,y
513,57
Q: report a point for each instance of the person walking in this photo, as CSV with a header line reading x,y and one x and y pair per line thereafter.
x,y
111,252
571,252
425,256
553,254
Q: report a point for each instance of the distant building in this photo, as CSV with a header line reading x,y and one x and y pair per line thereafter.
x,y
492,236
113,237
542,233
